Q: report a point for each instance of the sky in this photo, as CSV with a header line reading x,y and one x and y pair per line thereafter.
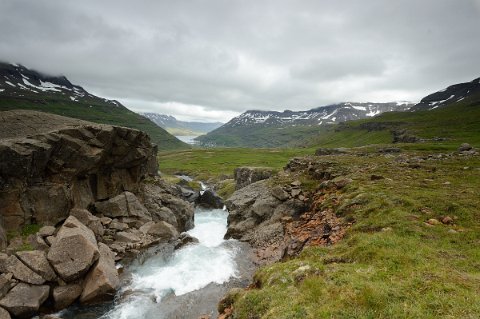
x,y
210,60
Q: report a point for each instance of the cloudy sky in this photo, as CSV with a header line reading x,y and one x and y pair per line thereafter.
x,y
213,59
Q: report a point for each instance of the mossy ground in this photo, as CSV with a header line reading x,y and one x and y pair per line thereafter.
x,y
391,264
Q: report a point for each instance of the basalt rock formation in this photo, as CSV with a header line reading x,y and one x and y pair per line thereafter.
x,y
95,190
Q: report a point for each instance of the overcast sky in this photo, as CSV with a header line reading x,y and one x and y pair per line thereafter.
x,y
211,60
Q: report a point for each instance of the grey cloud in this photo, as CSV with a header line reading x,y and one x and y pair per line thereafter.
x,y
235,55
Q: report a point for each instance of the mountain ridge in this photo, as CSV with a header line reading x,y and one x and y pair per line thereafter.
x,y
177,127
24,88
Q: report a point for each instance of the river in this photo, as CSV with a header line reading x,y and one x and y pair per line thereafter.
x,y
186,284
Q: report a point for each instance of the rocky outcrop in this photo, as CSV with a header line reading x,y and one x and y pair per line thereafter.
x,y
209,200
37,261
245,176
24,300
44,175
64,296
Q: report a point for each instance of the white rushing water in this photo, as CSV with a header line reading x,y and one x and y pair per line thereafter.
x,y
192,267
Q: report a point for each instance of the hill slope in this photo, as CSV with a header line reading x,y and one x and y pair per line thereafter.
x,y
181,128
446,125
22,88
288,128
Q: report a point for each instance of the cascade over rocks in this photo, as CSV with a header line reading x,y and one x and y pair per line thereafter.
x,y
94,190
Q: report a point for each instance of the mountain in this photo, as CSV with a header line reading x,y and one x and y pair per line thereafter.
x,y
287,128
23,88
454,93
179,128
434,120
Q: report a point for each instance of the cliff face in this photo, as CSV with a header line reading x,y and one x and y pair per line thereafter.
x,y
45,174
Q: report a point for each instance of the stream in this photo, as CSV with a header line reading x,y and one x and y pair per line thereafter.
x,y
187,283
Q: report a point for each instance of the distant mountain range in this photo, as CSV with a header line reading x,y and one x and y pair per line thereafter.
x,y
23,88
273,129
179,128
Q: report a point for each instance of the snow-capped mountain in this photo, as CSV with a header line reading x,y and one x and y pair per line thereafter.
x,y
452,94
329,114
18,81
175,126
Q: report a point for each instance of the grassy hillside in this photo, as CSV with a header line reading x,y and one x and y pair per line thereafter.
x,y
95,111
453,124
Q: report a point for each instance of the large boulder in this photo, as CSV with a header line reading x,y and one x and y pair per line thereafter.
x,y
24,300
37,261
4,314
209,200
245,176
74,250
102,281
86,218
64,296
21,272
6,283
123,205
163,231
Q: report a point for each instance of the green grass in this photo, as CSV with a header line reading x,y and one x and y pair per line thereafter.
x,y
390,265
219,163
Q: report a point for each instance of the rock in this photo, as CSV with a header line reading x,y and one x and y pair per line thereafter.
x,y
433,222
162,230
86,218
74,251
37,242
295,192
296,183
21,272
64,296
341,182
24,300
3,238
185,239
4,314
102,281
37,261
50,240
123,205
447,220
127,237
46,231
116,225
403,136
245,176
210,200
465,147
279,193
105,221
375,177
6,283
16,244
390,150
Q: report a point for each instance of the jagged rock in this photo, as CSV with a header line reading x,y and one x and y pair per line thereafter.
x,y
185,239
247,175
21,272
105,221
37,261
123,205
15,244
279,193
102,281
37,242
50,240
24,300
86,218
74,251
6,284
163,231
209,200
164,204
127,237
145,227
46,231
64,296
4,314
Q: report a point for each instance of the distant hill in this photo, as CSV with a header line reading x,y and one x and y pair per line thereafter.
x,y
23,88
289,128
444,122
179,128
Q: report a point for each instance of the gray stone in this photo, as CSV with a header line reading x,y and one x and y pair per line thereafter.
x,y
22,272
24,300
37,242
245,176
102,281
46,231
209,200
6,283
162,230
4,314
74,251
116,225
64,296
123,205
279,193
465,147
86,218
37,261
127,237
